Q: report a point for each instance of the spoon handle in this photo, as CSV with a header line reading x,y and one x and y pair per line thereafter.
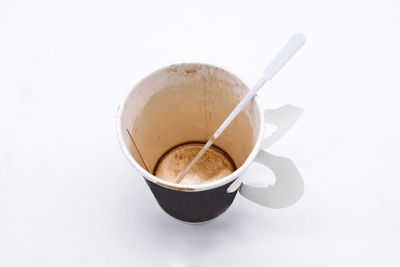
x,y
290,48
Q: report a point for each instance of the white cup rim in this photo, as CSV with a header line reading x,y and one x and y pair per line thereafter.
x,y
191,188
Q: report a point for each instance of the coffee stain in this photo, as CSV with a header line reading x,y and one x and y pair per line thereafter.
x,y
205,108
215,164
172,68
191,71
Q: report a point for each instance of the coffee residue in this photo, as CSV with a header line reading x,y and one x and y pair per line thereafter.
x,y
213,165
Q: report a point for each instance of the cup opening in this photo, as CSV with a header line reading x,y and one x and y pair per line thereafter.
x,y
186,103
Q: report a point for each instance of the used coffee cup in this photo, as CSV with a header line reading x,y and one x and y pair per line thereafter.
x,y
186,103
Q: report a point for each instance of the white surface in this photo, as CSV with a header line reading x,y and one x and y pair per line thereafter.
x,y
68,197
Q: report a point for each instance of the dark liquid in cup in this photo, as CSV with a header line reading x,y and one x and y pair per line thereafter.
x,y
215,164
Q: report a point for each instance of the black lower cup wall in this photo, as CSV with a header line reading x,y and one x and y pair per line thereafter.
x,y
193,207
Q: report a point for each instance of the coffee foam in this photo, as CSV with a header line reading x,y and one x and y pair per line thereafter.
x,y
213,165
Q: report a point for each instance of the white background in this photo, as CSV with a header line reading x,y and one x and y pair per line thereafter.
x,y
68,196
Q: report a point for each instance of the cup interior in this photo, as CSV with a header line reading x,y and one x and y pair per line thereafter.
x,y
186,103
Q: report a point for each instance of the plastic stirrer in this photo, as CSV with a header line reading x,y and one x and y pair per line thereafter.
x,y
290,48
